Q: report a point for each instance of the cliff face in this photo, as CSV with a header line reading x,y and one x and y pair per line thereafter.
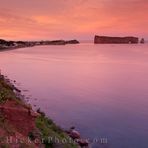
x,y
115,40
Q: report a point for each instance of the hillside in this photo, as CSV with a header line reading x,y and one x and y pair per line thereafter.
x,y
20,126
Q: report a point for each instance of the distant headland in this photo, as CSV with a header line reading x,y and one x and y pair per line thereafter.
x,y
117,40
21,44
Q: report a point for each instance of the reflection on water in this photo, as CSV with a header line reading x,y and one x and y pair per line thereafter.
x,y
100,89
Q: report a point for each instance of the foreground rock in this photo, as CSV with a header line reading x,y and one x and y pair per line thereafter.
x,y
75,135
115,40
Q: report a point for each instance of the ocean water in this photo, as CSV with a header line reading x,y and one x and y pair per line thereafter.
x,y
102,90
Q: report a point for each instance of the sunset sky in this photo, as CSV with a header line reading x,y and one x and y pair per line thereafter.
x,y
70,19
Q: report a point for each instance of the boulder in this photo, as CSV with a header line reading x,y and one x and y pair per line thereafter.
x,y
74,134
83,142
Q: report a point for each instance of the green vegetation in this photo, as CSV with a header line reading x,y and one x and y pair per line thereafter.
x,y
52,135
5,94
6,91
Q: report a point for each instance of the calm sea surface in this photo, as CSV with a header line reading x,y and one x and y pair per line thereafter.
x,y
100,89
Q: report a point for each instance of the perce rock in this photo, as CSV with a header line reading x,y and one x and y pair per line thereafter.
x,y
115,40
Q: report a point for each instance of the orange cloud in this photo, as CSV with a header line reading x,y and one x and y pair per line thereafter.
x,y
48,19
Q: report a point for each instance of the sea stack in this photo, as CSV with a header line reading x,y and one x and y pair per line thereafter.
x,y
115,40
142,41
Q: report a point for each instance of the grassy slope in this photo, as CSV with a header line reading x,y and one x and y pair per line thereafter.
x,y
44,127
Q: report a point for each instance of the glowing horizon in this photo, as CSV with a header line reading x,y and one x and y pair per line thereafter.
x,y
68,19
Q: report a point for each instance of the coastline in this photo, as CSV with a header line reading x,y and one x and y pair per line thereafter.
x,y
23,127
12,48
10,45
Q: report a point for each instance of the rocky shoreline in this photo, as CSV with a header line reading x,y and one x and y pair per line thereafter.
x,y
21,126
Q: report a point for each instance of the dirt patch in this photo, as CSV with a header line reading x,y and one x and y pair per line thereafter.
x,y
18,116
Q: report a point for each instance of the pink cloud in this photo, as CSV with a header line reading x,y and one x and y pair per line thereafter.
x,y
48,19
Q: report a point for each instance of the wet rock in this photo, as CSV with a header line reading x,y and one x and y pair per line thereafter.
x,y
83,142
73,133
15,88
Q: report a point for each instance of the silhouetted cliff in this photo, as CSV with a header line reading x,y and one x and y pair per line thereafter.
x,y
21,44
